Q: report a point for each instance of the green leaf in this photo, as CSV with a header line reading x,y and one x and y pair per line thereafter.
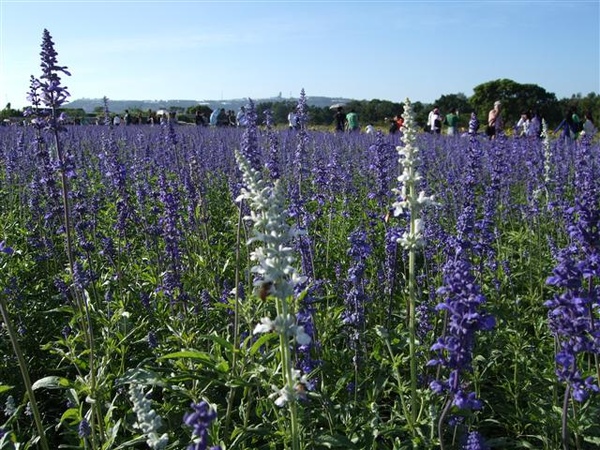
x,y
592,439
336,441
4,388
52,382
72,415
141,376
191,354
218,339
266,337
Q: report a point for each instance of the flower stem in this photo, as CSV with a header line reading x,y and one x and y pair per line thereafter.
x,y
412,335
565,414
24,373
236,319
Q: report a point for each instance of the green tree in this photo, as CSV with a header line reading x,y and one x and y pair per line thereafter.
x,y
589,103
8,112
515,98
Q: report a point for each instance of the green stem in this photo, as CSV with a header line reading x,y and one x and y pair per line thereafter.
x,y
441,420
24,373
82,301
235,348
412,336
399,381
330,220
565,421
286,360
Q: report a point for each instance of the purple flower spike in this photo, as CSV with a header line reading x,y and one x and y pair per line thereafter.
x,y
200,420
5,249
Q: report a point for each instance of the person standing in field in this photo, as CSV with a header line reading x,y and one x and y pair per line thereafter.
x,y
396,124
473,124
241,118
567,127
340,120
436,121
522,126
588,124
199,118
495,123
213,120
577,123
293,121
452,122
535,125
352,120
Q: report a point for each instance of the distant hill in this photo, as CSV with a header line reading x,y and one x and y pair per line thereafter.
x,y
119,106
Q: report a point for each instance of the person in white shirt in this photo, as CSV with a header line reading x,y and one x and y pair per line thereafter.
x,y
241,118
293,121
435,121
588,125
522,127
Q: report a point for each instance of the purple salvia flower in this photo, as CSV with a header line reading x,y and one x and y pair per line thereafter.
x,y
205,299
5,248
382,159
475,441
106,112
152,340
272,163
462,301
249,146
298,164
47,90
571,318
200,420
171,233
84,429
353,316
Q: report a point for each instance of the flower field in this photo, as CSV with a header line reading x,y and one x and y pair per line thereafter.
x,y
173,287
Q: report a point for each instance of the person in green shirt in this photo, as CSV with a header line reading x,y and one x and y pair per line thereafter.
x,y
452,122
352,121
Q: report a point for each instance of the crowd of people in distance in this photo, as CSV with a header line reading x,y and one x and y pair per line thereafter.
x,y
529,124
346,122
218,118
572,126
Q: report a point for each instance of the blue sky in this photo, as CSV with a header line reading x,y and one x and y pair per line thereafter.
x,y
211,50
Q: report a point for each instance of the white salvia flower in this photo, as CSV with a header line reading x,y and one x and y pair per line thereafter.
x,y
283,395
273,255
301,337
287,394
266,325
424,200
547,152
274,258
148,422
9,406
281,326
408,200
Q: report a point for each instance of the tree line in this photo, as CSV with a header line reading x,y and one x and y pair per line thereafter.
x,y
516,98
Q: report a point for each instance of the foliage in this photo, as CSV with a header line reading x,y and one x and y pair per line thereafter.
x,y
515,98
160,284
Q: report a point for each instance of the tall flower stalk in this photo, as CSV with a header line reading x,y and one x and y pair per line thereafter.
x,y
573,316
276,278
411,202
13,336
47,95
